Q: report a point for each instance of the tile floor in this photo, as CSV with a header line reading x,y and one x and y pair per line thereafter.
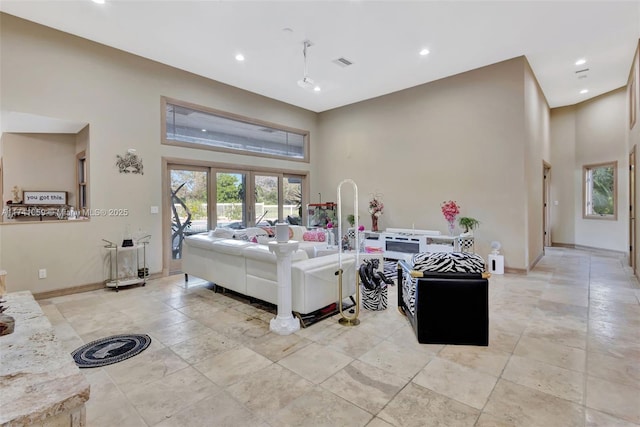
x,y
564,351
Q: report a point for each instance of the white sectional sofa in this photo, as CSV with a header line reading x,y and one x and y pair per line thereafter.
x,y
250,269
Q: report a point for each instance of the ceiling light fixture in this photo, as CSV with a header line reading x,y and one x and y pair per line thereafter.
x,y
424,52
98,1
240,57
581,61
306,82
583,91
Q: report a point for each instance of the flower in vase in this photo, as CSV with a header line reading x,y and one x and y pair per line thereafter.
x,y
330,224
361,228
450,210
375,206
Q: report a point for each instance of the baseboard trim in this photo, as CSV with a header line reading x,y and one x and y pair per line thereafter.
x,y
512,270
79,289
536,261
68,291
587,248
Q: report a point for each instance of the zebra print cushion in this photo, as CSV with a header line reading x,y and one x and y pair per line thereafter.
x,y
448,262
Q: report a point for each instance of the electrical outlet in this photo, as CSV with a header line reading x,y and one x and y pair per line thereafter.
x,y
154,209
42,273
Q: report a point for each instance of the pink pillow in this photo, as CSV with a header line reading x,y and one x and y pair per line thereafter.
x,y
313,236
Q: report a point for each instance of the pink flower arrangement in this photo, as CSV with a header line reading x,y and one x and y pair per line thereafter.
x,y
329,224
361,228
450,210
375,206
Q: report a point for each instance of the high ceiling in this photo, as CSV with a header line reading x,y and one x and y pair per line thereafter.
x,y
381,38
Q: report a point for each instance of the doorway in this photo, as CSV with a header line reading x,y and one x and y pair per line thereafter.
x,y
632,208
546,204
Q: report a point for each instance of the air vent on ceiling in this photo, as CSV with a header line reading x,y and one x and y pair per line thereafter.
x,y
582,71
180,110
268,130
343,62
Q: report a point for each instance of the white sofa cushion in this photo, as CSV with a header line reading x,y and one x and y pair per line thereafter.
x,y
230,246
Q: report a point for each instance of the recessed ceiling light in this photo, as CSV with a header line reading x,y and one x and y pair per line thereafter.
x,y
204,130
581,61
240,57
424,52
583,91
98,1
317,89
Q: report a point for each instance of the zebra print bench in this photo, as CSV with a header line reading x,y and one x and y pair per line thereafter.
x,y
445,296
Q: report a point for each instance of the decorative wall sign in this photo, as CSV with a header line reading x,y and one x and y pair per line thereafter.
x,y
44,197
129,163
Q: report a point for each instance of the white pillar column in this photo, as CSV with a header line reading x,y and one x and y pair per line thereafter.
x,y
284,323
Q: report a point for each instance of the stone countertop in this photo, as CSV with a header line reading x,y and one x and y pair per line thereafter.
x,y
38,378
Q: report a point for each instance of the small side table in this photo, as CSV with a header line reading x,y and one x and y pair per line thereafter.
x,y
496,264
284,323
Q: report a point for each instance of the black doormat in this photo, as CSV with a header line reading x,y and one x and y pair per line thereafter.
x,y
113,349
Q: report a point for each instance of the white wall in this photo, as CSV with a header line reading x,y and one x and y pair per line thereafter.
x,y
536,113
563,186
40,162
52,74
460,138
599,135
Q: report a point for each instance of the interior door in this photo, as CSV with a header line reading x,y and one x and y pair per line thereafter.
x,y
189,201
546,204
632,208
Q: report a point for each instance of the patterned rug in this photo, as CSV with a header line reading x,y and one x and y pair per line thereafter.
x,y
113,349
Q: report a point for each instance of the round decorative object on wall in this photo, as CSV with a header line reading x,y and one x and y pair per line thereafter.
x,y
113,349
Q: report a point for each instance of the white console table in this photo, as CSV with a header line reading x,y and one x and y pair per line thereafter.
x,y
401,243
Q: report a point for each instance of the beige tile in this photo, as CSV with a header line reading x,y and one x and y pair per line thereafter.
x,y
484,359
220,410
267,391
614,347
619,400
315,362
164,398
403,362
275,347
543,377
149,366
231,366
354,343
501,340
377,422
621,370
557,333
515,405
458,382
614,331
558,355
107,406
204,346
365,386
416,406
595,418
322,409
179,332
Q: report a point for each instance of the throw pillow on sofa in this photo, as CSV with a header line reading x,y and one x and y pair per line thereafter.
x,y
314,236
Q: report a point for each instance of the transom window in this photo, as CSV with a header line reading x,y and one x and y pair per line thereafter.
x,y
600,191
200,127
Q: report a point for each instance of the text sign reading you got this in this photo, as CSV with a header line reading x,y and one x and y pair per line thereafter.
x,y
44,197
